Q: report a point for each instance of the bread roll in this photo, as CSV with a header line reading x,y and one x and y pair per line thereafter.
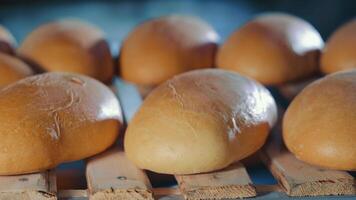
x,y
340,50
200,121
7,41
53,118
160,48
319,126
69,46
273,49
12,69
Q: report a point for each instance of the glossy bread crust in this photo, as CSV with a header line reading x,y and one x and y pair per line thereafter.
x,y
272,49
12,69
69,46
53,118
340,50
160,48
200,121
319,126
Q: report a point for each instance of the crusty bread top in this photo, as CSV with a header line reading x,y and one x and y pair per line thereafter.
x,y
340,50
69,46
319,126
160,48
272,49
12,69
53,118
200,121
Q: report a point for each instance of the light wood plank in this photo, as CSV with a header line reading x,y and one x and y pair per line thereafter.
x,y
232,182
298,178
41,186
111,175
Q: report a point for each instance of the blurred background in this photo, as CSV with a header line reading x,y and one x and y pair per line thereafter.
x,y
118,18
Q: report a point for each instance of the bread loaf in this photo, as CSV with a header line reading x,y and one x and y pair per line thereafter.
x,y
319,126
69,46
160,48
340,50
12,69
53,118
200,121
272,49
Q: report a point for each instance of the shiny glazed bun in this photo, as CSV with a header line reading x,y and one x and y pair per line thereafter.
x,y
69,46
160,48
272,49
7,41
53,118
319,126
12,69
340,50
200,121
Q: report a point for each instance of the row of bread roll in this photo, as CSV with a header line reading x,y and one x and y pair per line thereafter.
x,y
204,120
273,49
176,44
195,122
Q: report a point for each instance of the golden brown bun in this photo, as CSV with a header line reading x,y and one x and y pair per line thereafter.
x,y
200,121
7,41
53,118
69,46
319,126
340,50
272,49
163,47
12,69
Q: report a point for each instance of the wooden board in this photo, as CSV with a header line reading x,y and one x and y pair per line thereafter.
x,y
298,178
111,175
41,186
232,182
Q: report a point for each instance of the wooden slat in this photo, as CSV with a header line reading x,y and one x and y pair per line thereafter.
x,y
298,178
232,182
111,175
41,186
